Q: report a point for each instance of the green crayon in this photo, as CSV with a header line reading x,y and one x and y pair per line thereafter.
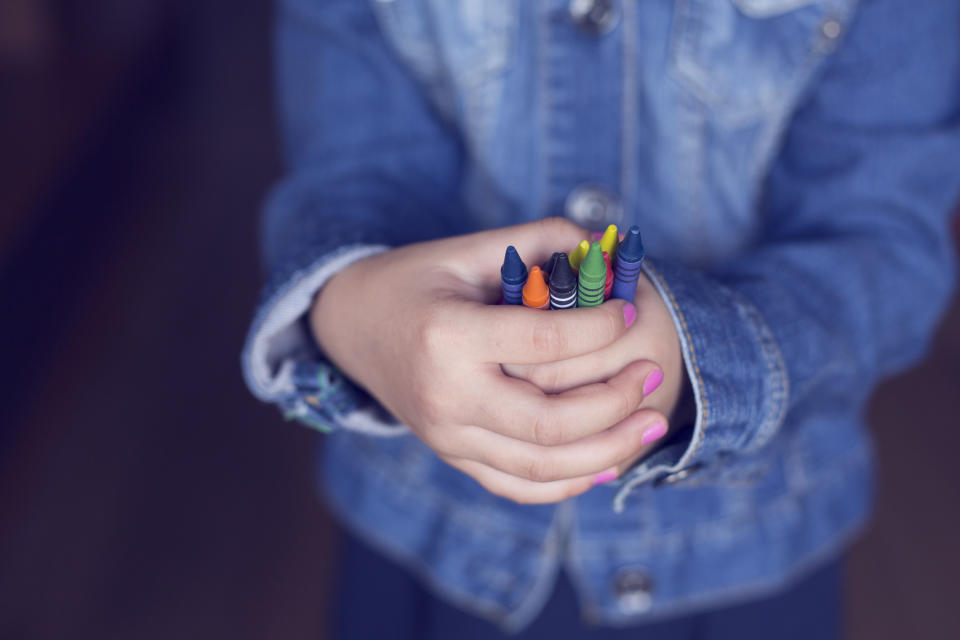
x,y
593,277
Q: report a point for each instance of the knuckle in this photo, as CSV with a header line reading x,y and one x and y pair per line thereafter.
x,y
544,431
611,323
434,333
546,377
535,468
626,400
549,338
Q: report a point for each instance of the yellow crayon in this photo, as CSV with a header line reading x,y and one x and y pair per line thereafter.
x,y
578,254
610,240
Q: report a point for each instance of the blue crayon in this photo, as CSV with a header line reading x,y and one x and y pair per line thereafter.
x,y
627,271
513,275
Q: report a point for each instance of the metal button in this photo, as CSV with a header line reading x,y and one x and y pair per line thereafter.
x,y
678,476
831,29
634,591
592,207
595,16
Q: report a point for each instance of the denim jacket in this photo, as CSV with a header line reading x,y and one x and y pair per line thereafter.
x,y
792,165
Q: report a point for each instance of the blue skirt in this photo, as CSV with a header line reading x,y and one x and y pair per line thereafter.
x,y
375,598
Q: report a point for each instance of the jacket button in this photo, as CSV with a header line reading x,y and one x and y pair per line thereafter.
x,y
592,207
678,476
595,16
634,591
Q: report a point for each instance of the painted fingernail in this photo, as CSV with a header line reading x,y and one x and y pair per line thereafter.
x,y
596,236
629,314
654,378
605,476
653,433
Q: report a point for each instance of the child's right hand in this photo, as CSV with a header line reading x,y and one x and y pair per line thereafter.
x,y
416,327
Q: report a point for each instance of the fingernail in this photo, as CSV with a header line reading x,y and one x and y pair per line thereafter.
x,y
654,378
605,476
596,236
653,433
629,314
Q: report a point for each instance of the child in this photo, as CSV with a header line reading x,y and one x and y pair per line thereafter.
x,y
693,461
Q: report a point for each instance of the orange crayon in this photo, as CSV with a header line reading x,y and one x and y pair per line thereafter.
x,y
536,295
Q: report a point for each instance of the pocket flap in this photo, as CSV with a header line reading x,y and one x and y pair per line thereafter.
x,y
769,8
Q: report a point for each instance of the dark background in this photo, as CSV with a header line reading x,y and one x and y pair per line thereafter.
x,y
143,492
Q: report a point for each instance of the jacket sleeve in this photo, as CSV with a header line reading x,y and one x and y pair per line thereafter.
x,y
369,164
855,263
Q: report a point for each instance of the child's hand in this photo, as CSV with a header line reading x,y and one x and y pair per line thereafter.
x,y
415,326
652,337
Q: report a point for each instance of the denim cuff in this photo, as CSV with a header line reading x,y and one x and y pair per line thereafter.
x,y
736,371
283,365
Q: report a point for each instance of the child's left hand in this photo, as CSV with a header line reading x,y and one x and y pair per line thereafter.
x,y
652,337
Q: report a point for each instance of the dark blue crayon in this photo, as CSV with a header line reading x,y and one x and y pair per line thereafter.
x,y
563,284
513,275
627,271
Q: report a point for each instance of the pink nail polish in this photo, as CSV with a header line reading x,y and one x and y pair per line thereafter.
x,y
596,236
629,314
604,476
654,433
654,378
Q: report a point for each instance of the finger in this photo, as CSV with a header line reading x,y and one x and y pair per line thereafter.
x,y
587,456
519,410
655,437
563,375
535,242
513,334
520,490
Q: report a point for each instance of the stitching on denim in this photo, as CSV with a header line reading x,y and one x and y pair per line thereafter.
x,y
836,477
705,404
628,108
700,424
776,403
543,100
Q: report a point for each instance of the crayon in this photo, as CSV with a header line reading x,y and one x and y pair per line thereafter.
x,y
513,275
563,284
548,266
608,283
578,254
593,277
627,270
610,240
535,292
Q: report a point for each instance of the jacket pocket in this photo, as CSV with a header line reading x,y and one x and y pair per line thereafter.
x,y
743,58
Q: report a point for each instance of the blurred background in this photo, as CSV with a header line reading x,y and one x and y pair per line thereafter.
x,y
143,492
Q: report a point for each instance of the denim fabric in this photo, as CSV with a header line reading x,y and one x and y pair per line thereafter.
x,y
792,164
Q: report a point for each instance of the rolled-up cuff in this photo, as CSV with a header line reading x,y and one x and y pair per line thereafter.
x,y
282,364
736,371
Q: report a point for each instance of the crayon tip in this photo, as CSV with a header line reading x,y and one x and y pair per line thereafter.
x,y
609,240
548,267
631,249
562,277
593,261
535,292
578,254
513,270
